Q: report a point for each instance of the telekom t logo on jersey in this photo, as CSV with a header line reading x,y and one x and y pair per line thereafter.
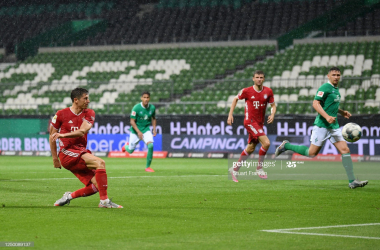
x,y
74,128
256,104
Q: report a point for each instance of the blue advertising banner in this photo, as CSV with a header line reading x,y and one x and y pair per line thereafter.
x,y
107,143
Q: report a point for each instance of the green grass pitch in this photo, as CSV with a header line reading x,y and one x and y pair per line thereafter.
x,y
185,204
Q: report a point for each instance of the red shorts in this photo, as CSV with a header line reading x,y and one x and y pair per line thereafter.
x,y
71,160
254,131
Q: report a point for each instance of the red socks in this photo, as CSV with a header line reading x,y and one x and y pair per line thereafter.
x,y
86,191
101,179
262,153
244,156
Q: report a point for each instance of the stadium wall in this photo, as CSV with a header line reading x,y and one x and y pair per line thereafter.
x,y
337,39
156,46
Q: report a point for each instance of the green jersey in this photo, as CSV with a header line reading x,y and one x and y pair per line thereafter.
x,y
329,97
143,117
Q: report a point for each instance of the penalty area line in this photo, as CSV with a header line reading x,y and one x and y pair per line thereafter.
x,y
291,231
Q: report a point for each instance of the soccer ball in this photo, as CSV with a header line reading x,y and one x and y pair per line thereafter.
x,y
352,132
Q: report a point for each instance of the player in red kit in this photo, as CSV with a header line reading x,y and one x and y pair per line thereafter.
x,y
256,99
70,126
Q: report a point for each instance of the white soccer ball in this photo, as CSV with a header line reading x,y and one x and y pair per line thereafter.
x,y
352,132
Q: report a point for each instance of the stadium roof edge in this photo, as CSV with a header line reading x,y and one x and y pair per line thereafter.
x,y
157,46
337,39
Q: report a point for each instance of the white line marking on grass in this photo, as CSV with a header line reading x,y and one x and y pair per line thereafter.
x,y
290,231
120,177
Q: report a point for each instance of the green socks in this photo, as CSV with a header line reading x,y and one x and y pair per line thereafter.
x,y
149,157
348,166
300,149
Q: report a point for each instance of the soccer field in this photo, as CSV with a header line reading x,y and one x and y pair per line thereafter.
x,y
185,204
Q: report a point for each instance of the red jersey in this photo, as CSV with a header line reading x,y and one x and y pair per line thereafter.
x,y
256,104
65,121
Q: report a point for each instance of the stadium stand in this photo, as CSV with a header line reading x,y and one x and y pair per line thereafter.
x,y
367,25
197,79
105,73
202,78
168,21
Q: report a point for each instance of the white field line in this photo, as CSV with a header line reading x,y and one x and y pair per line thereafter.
x,y
291,231
120,177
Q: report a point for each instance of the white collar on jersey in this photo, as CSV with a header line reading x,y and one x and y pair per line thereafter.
x,y
256,90
143,105
74,113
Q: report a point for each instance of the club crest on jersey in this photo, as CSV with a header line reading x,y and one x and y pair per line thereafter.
x,y
320,93
265,96
54,120
260,130
133,113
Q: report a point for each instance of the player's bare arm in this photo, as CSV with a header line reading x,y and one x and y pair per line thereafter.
x,y
317,106
230,119
134,125
154,124
84,128
53,148
273,112
344,113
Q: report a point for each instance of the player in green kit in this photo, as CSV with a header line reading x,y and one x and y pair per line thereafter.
x,y
142,116
326,103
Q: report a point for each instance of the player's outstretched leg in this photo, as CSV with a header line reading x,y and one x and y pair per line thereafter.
x,y
83,192
149,158
281,149
64,200
126,148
